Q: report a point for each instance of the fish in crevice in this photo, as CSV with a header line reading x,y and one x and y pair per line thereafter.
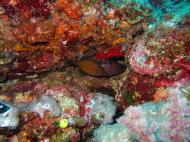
x,y
96,68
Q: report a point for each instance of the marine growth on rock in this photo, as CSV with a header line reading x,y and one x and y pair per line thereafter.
x,y
94,70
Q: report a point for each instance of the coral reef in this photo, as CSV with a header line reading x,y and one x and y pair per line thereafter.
x,y
163,121
45,103
112,133
103,108
101,69
168,12
94,70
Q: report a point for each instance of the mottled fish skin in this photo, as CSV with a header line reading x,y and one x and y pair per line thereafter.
x,y
113,68
101,68
90,67
4,107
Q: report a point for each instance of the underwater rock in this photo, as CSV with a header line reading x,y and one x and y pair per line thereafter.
x,y
35,33
19,10
111,133
40,40
140,61
60,137
68,105
135,13
81,106
152,122
45,103
79,122
103,108
8,115
158,10
72,10
7,57
3,74
33,63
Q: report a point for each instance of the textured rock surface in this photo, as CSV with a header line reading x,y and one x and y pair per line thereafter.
x,y
86,62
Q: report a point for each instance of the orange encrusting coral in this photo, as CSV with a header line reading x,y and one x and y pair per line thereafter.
x,y
161,94
70,8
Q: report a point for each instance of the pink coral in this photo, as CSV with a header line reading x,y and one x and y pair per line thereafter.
x,y
178,124
170,117
136,122
140,63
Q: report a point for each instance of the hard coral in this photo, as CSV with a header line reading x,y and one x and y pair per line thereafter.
x,y
155,54
45,103
71,8
161,94
42,43
35,32
151,122
133,89
35,63
102,105
26,9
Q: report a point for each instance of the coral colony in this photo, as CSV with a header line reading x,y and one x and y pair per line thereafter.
x,y
94,71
